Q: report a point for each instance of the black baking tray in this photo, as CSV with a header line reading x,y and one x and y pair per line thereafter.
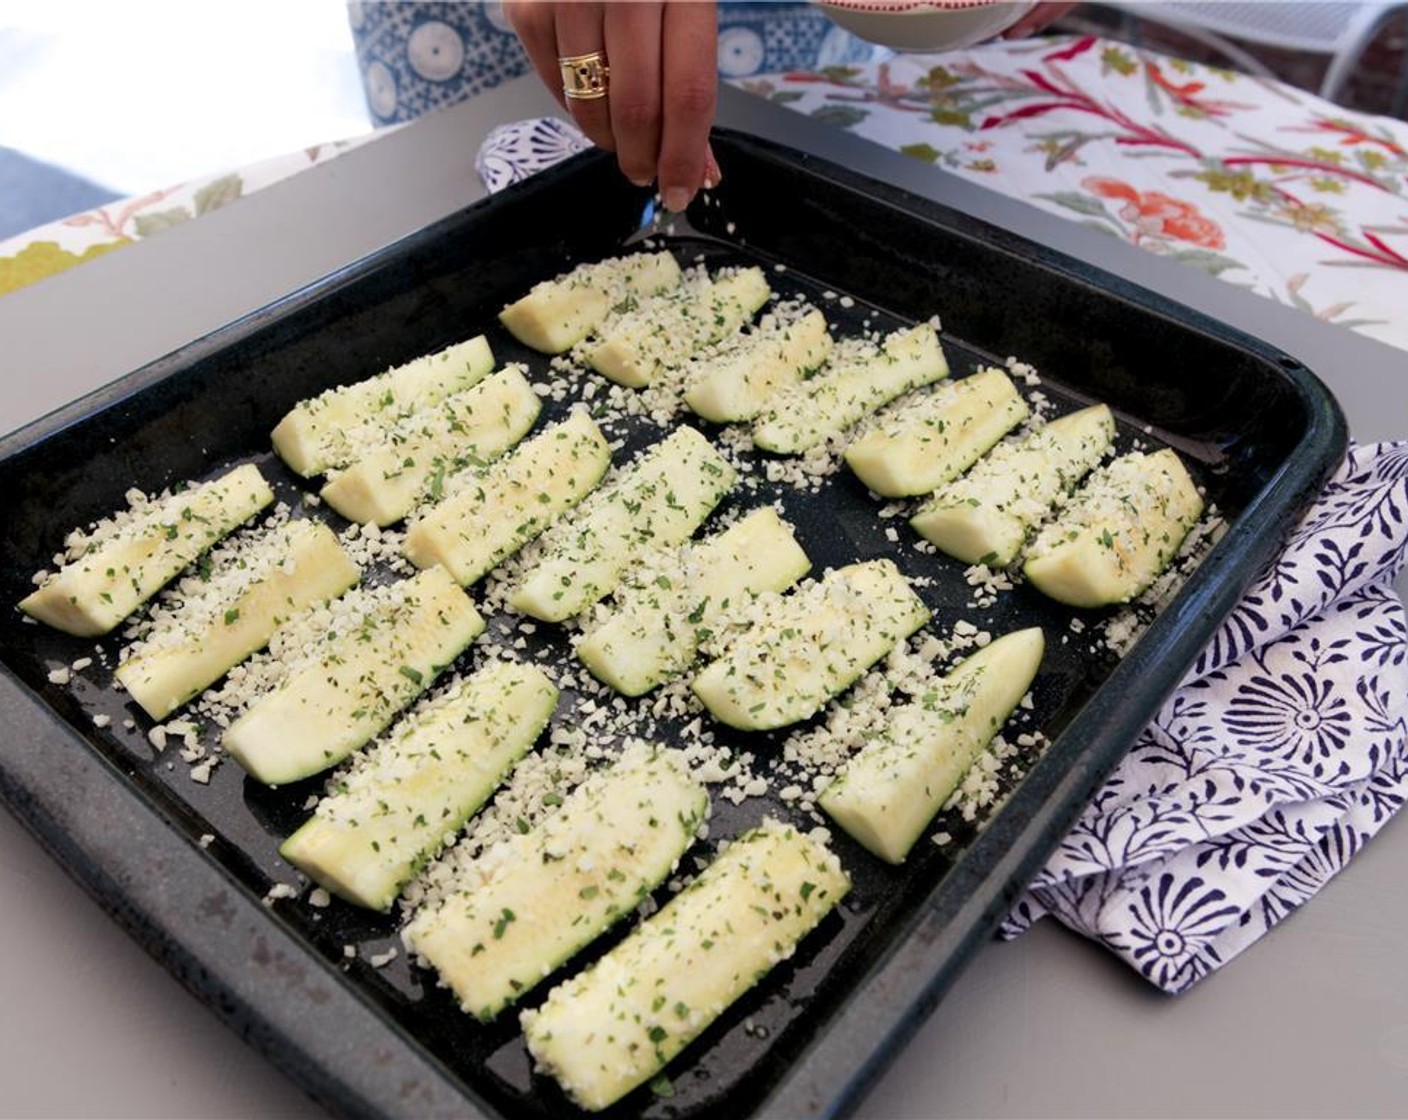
x,y
185,866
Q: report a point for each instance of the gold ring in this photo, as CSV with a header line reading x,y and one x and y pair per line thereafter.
x,y
584,76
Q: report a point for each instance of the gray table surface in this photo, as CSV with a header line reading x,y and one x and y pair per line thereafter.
x,y
1313,1021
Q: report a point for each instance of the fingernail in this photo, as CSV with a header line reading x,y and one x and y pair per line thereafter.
x,y
676,199
712,175
641,182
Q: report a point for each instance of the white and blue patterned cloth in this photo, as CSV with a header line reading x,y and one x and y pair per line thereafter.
x,y
512,152
419,56
1282,752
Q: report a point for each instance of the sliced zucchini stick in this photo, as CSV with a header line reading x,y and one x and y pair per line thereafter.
x,y
512,502
283,571
736,382
614,1026
1118,533
313,436
635,347
935,439
888,793
129,559
806,647
559,313
418,786
655,628
613,841
849,389
657,502
357,680
468,429
985,516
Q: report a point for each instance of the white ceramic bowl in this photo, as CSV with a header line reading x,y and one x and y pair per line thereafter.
x,y
926,25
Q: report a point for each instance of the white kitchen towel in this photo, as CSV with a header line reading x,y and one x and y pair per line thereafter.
x,y
1283,751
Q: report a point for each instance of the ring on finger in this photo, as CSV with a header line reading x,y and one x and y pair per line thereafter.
x,y
584,76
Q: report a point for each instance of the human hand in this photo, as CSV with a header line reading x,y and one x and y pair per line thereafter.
x,y
662,88
1036,19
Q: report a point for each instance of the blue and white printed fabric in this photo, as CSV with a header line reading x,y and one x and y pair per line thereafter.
x,y
512,152
1282,752
416,57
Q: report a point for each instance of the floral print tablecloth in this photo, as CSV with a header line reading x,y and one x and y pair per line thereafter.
x,y
59,246
1262,185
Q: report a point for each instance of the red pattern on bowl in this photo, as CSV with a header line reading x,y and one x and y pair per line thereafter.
x,y
926,25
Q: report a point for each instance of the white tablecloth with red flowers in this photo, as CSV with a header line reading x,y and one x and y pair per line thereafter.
x,y
1264,186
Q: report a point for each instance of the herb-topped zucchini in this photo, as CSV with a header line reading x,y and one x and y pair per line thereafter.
x,y
638,345
615,1026
410,463
887,794
113,570
559,313
848,388
553,890
805,647
416,787
657,501
356,679
656,625
1119,531
936,438
737,382
985,516
235,612
497,511
315,434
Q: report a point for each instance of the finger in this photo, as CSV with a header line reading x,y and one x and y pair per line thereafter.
x,y
1036,19
689,90
712,175
579,32
536,27
633,35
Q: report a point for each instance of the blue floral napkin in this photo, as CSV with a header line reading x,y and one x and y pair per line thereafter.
x,y
1283,751
511,152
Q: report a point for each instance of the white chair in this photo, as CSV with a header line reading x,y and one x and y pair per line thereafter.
x,y
1341,29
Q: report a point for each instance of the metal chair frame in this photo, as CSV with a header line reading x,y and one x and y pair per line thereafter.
x,y
1340,29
